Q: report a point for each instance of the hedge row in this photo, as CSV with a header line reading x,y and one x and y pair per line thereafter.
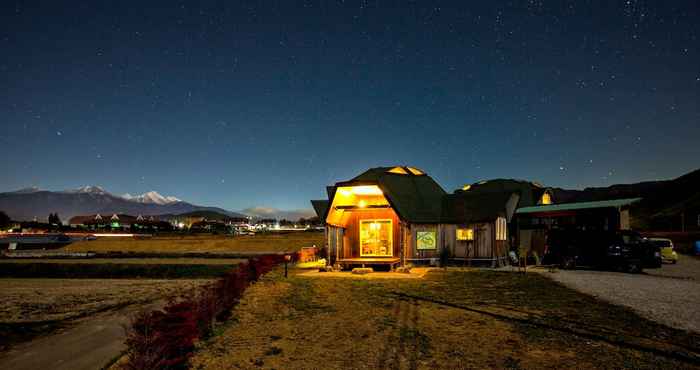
x,y
165,339
58,270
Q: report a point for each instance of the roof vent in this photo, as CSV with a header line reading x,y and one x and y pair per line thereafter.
x,y
415,171
398,170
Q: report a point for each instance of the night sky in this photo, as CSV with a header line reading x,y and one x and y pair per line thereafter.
x,y
240,104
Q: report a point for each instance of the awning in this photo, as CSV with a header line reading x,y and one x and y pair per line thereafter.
x,y
615,203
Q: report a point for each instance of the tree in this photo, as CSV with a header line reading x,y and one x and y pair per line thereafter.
x,y
4,220
54,219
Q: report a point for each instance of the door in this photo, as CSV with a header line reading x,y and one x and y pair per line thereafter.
x,y
481,240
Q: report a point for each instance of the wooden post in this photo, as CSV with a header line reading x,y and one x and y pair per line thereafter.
x,y
287,258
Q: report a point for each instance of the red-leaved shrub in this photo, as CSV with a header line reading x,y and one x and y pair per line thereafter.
x,y
165,339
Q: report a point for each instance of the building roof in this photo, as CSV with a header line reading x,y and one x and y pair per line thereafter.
x,y
321,208
615,203
529,192
467,207
104,218
414,196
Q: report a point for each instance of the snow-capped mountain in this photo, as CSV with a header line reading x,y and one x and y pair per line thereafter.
x,y
29,190
30,203
151,197
88,189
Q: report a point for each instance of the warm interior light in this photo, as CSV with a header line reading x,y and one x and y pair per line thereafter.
x,y
466,187
366,190
415,171
546,199
362,204
398,170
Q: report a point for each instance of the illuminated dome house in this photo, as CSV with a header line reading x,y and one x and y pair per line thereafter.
x,y
398,215
386,215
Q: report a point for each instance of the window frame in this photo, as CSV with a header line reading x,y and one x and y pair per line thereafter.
x,y
391,236
469,234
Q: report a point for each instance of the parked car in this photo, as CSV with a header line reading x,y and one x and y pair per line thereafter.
x,y
618,250
668,254
651,253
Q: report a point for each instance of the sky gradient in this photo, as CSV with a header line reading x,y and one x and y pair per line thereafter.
x,y
266,103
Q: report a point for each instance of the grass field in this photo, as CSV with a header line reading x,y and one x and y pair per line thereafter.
x,y
122,268
449,319
260,243
137,261
35,307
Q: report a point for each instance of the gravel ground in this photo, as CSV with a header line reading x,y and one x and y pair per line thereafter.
x,y
669,295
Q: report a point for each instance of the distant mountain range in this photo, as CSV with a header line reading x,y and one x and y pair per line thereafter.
x,y
663,202
30,203
269,212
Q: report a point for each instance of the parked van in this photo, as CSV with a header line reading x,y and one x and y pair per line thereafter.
x,y
618,250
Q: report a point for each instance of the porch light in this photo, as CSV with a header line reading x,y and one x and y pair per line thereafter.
x,y
362,204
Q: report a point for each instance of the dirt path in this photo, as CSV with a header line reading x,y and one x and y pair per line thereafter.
x,y
88,344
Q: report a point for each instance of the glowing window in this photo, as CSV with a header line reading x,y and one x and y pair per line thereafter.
x,y
465,234
398,170
376,238
501,229
415,171
546,199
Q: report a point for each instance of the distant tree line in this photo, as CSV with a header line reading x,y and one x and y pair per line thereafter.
x,y
54,219
5,220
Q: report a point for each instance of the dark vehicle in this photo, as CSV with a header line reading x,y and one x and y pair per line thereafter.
x,y
618,250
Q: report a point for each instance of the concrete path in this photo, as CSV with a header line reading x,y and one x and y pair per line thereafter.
x,y
88,344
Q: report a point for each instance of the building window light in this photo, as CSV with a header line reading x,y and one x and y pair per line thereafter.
x,y
465,234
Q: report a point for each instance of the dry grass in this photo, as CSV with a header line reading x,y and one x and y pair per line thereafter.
x,y
37,300
335,323
288,242
136,261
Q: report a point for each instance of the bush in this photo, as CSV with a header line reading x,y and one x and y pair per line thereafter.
x,y
165,339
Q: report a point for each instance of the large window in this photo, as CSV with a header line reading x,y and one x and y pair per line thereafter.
x,y
375,238
465,234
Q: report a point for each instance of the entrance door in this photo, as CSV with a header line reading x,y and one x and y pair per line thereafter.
x,y
481,242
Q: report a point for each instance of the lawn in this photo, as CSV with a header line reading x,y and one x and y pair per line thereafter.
x,y
34,307
136,261
449,319
260,243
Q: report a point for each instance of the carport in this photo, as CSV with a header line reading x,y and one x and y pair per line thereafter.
x,y
534,222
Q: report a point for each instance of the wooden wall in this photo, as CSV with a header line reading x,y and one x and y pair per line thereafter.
x,y
484,245
412,252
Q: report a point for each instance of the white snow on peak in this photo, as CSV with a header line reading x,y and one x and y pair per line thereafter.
x,y
28,190
91,189
151,197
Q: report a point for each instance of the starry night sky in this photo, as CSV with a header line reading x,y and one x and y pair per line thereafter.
x,y
240,104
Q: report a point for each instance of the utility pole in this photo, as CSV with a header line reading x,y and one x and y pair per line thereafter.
x,y
683,221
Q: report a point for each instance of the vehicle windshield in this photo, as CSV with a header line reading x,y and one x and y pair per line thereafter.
x,y
662,243
631,238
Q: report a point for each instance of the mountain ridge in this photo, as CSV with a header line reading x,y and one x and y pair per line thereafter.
x,y
25,205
